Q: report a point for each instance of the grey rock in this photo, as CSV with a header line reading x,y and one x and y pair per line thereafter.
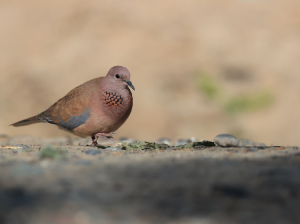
x,y
226,140
93,152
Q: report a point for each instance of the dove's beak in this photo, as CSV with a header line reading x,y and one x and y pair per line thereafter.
x,y
129,84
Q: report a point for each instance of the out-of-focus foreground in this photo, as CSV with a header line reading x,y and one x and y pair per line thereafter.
x,y
135,183
200,68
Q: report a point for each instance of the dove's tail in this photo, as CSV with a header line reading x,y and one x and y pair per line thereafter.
x,y
28,121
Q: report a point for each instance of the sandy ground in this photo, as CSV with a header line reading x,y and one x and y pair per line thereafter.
x,y
207,185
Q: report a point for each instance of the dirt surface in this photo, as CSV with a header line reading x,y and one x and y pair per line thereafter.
x,y
84,185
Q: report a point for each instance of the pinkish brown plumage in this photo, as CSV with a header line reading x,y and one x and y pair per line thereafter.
x,y
95,108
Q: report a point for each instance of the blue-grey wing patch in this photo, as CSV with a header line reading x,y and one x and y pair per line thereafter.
x,y
74,121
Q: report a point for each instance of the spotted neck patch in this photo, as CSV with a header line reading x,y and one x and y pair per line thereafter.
x,y
112,99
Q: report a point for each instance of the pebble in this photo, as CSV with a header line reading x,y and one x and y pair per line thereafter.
x,y
113,149
226,140
127,140
295,147
164,141
181,142
93,152
192,139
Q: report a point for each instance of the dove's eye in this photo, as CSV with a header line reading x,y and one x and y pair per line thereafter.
x,y
117,76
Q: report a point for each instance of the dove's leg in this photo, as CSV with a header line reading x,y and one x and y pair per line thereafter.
x,y
101,135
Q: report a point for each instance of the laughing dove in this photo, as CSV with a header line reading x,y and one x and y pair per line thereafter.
x,y
96,108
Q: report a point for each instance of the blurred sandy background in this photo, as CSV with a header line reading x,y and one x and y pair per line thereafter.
x,y
200,68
